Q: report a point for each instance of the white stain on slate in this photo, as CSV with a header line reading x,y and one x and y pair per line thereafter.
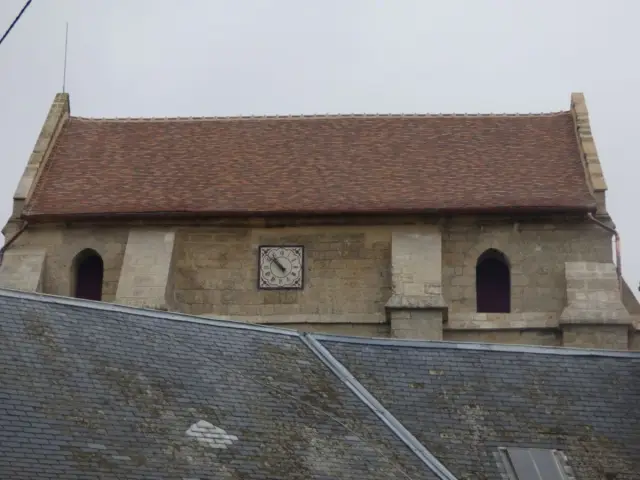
x,y
210,435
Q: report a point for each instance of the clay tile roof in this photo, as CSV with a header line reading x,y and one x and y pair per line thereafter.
x,y
313,164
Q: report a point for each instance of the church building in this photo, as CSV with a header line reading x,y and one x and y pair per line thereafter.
x,y
487,228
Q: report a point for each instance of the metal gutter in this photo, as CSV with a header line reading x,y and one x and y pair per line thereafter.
x,y
164,215
485,347
382,413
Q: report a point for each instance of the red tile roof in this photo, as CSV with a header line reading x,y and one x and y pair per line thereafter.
x,y
339,164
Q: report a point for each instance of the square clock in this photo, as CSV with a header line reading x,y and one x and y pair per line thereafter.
x,y
281,267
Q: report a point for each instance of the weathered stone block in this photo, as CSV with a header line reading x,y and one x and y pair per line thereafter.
x,y
595,315
502,321
416,308
542,337
416,268
23,269
420,302
593,295
611,337
147,278
416,324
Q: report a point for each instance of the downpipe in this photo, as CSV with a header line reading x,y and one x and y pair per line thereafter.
x,y
617,246
12,240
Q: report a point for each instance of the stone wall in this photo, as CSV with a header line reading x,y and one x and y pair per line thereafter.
x,y
348,279
594,315
63,244
550,337
536,253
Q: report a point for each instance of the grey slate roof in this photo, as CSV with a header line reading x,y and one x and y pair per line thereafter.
x,y
92,390
463,401
89,392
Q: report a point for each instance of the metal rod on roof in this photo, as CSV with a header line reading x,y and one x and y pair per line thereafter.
x,y
64,70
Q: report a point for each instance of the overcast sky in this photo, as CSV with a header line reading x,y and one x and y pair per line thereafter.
x,y
231,57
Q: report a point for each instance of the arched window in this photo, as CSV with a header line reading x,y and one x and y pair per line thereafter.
x,y
493,283
88,271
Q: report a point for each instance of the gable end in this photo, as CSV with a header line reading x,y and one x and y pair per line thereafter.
x,y
56,118
588,151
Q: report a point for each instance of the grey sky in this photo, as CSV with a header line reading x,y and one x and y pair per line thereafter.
x,y
230,57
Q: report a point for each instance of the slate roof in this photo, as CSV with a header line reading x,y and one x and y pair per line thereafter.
x,y
463,401
87,392
94,390
300,165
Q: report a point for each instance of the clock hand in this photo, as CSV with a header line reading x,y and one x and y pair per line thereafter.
x,y
277,262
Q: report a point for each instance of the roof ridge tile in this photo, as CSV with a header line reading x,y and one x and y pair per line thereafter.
x,y
327,116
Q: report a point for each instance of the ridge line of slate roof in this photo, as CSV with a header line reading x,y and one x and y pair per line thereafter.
x,y
478,346
144,312
352,383
318,116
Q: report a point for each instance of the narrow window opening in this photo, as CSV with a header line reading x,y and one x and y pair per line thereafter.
x,y
88,274
493,283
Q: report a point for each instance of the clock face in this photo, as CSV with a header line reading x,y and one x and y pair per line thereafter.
x,y
281,267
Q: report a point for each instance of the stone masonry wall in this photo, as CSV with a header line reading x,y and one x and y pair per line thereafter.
x,y
347,277
348,274
536,253
63,244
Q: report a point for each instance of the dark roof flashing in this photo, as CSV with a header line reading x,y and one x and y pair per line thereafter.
x,y
495,347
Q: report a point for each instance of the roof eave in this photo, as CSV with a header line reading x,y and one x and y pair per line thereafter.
x,y
502,210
